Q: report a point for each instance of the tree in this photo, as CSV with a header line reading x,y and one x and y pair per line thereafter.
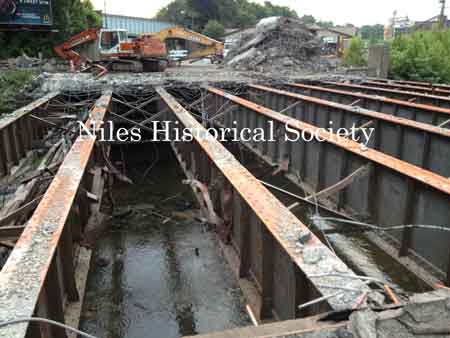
x,y
326,24
421,56
373,33
82,16
230,13
214,29
208,8
354,55
181,13
244,19
308,19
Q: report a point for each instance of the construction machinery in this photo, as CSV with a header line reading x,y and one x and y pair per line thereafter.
x,y
111,49
198,45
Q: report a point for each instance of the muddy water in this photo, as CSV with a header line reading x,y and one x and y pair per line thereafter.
x,y
165,277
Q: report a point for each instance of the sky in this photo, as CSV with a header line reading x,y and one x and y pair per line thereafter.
x,y
357,12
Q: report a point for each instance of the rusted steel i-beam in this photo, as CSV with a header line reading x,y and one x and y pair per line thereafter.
x,y
274,247
419,196
31,283
409,110
433,100
411,88
414,83
18,132
417,143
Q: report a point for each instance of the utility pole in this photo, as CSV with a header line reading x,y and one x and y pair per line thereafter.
x,y
105,17
442,15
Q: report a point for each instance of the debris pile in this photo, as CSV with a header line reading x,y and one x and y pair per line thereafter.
x,y
278,44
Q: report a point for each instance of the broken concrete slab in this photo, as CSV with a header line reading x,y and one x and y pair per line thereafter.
x,y
276,44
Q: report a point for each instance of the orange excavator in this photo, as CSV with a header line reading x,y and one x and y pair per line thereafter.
x,y
198,46
111,49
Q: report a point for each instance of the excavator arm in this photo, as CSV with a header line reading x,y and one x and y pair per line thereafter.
x,y
210,47
66,50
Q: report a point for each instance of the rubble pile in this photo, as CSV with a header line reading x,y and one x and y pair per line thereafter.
x,y
277,44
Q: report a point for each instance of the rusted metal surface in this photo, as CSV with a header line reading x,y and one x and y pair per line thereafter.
x,y
433,100
38,274
417,143
17,133
6,120
410,87
265,233
404,109
414,83
419,196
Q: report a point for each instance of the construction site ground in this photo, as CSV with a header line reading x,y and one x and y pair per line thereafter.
x,y
198,74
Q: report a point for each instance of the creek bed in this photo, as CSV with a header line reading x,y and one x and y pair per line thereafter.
x,y
154,276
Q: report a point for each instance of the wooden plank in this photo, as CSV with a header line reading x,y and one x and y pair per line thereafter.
x,y
280,329
11,232
21,211
73,310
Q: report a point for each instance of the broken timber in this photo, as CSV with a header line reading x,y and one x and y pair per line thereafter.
x,y
44,251
18,133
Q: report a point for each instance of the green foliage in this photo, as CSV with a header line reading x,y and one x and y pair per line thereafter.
x,y
70,17
181,13
422,56
214,29
326,24
308,19
11,83
354,55
230,13
373,33
83,16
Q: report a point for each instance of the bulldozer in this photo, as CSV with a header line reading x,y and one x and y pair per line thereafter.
x,y
111,49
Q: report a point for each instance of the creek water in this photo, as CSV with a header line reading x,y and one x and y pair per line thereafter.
x,y
166,277
158,272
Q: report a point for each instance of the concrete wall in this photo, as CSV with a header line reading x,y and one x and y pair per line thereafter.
x,y
379,59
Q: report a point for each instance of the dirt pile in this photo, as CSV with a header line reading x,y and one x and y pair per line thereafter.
x,y
277,44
